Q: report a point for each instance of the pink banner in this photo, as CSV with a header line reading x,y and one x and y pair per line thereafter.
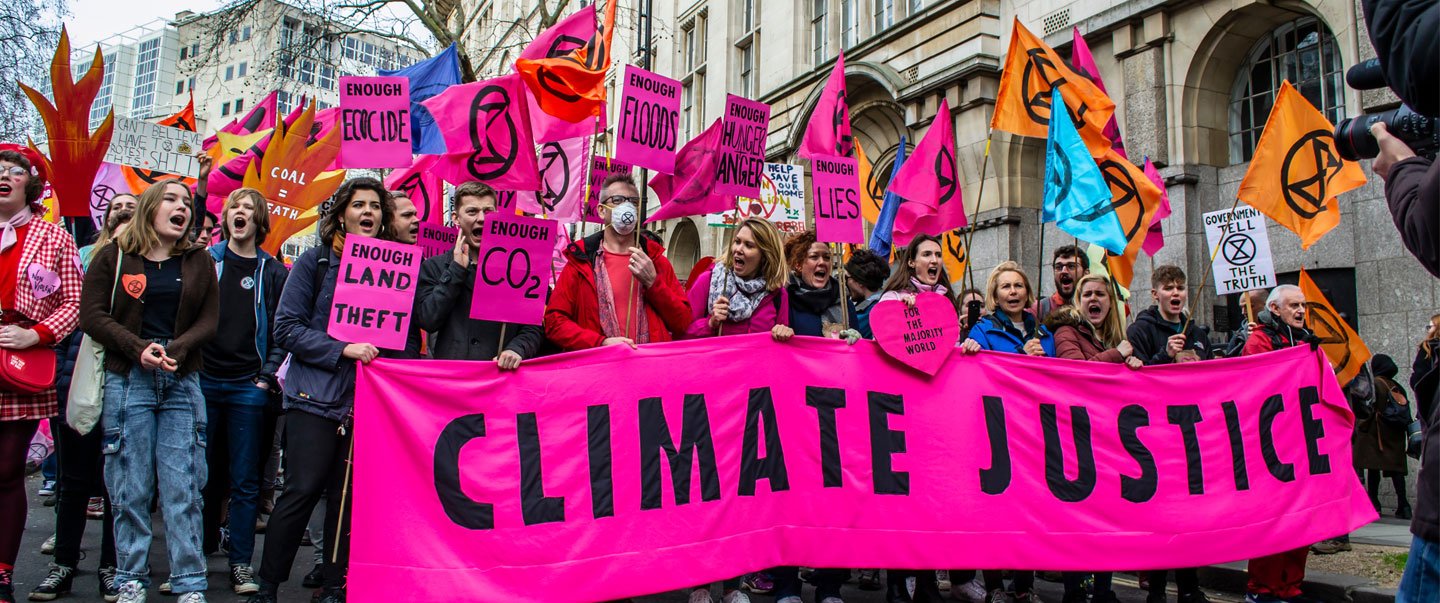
x,y
601,167
487,134
742,142
513,269
423,186
930,184
375,292
374,122
693,190
1155,236
649,120
640,471
829,130
837,200
436,240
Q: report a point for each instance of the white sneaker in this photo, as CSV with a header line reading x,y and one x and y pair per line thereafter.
x,y
789,599
972,591
832,600
48,547
701,595
132,592
740,597
195,597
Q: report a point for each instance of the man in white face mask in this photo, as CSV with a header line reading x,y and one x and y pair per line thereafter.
x,y
618,288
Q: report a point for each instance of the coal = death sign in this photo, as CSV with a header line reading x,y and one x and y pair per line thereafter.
x,y
1243,261
141,144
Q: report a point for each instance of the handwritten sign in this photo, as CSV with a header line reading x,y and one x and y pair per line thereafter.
x,y
375,292
436,240
781,201
922,336
649,120
601,167
514,268
1244,261
375,122
837,200
141,144
742,143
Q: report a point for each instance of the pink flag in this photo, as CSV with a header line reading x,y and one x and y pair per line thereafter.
x,y
109,181
929,182
1155,238
487,134
423,186
1085,64
601,167
560,40
562,180
829,131
690,191
261,116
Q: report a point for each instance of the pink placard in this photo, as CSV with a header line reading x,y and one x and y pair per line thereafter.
x,y
649,120
601,167
513,268
374,122
515,481
922,336
436,240
375,292
837,199
742,142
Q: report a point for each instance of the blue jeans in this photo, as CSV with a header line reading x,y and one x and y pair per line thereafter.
x,y
155,427
1421,582
235,411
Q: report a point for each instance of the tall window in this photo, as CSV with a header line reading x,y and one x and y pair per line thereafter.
x,y
747,71
819,36
147,71
884,14
239,104
916,5
103,102
240,71
849,23
747,47
1303,52
229,72
692,84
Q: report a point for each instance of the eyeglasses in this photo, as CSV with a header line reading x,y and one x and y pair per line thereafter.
x,y
618,199
15,171
1058,266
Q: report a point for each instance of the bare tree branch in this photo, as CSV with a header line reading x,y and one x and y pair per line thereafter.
x,y
29,32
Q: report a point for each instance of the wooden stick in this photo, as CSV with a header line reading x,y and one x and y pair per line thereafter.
x,y
344,494
1205,277
969,278
501,350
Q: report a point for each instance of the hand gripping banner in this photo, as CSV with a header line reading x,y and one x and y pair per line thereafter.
x,y
640,471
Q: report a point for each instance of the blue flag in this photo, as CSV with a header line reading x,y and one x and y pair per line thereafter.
x,y
428,78
882,236
1076,195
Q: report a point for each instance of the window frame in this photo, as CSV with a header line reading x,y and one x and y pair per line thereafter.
x,y
1279,54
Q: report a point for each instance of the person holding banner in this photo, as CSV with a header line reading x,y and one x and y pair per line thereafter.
x,y
867,273
151,300
923,271
320,391
37,315
1156,332
815,302
618,288
239,378
1008,326
447,282
745,291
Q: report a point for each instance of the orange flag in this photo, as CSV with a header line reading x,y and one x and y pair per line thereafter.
x,y
1032,70
292,177
1342,345
75,151
952,245
140,179
1297,172
1133,196
572,87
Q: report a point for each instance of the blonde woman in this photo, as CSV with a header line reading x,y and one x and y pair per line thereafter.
x,y
745,291
1093,328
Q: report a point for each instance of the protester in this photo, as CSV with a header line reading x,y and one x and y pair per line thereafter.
x,y
238,378
1421,581
407,219
320,391
867,273
613,292
745,291
968,297
153,417
1068,265
1156,332
1252,302
815,303
206,231
922,271
1380,436
1277,578
447,285
31,323
80,462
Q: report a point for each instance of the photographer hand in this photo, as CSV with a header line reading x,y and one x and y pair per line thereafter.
x,y
1392,150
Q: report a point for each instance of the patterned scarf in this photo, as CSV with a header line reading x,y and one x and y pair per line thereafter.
x,y
7,228
610,324
745,294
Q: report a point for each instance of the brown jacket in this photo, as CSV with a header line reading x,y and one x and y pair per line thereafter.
x,y
1076,340
118,328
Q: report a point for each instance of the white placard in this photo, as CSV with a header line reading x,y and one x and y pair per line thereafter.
x,y
782,201
1244,261
149,146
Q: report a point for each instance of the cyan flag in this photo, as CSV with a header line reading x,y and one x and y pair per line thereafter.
x,y
428,78
1076,195
882,236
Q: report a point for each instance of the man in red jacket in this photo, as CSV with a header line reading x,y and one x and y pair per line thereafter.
x,y
617,288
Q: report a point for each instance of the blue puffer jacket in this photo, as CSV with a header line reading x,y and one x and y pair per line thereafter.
x,y
996,333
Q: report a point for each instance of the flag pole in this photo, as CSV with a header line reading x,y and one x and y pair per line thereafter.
x,y
969,278
844,290
1205,277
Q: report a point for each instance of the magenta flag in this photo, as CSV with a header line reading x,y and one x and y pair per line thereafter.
x,y
929,182
109,181
375,122
562,181
1155,237
487,134
692,190
836,182
423,186
513,268
1085,64
829,130
566,471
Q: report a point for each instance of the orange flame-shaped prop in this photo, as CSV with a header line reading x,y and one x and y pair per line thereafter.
x,y
75,152
291,176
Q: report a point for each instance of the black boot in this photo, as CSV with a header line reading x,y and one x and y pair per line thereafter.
x,y
927,588
895,591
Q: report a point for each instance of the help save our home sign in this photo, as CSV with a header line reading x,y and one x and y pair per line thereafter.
x,y
149,146
1243,261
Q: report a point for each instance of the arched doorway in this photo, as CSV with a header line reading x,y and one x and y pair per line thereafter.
x,y
684,247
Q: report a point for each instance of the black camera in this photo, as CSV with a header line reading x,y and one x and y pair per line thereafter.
x,y
1352,136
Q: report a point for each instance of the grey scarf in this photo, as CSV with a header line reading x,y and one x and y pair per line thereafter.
x,y
745,294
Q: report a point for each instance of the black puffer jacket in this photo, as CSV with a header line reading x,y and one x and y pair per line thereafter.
x,y
1149,334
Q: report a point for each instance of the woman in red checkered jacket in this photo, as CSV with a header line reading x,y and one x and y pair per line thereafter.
x,y
39,304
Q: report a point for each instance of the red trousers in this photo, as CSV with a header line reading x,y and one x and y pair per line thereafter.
x,y
1279,575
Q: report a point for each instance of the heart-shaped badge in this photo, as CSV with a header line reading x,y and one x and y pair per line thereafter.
x,y
923,336
134,284
44,282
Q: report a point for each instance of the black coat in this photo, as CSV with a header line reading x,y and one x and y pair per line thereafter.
x,y
1423,381
442,308
1149,333
1403,34
1412,191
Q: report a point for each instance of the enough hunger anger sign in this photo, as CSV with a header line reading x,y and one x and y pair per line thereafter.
x,y
640,471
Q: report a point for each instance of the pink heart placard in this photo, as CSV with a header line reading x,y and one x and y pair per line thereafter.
x,y
923,336
44,282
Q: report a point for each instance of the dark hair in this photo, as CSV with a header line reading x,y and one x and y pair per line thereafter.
x,y
472,189
36,185
797,247
900,279
971,291
1165,275
868,269
1071,251
214,219
333,220
614,178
